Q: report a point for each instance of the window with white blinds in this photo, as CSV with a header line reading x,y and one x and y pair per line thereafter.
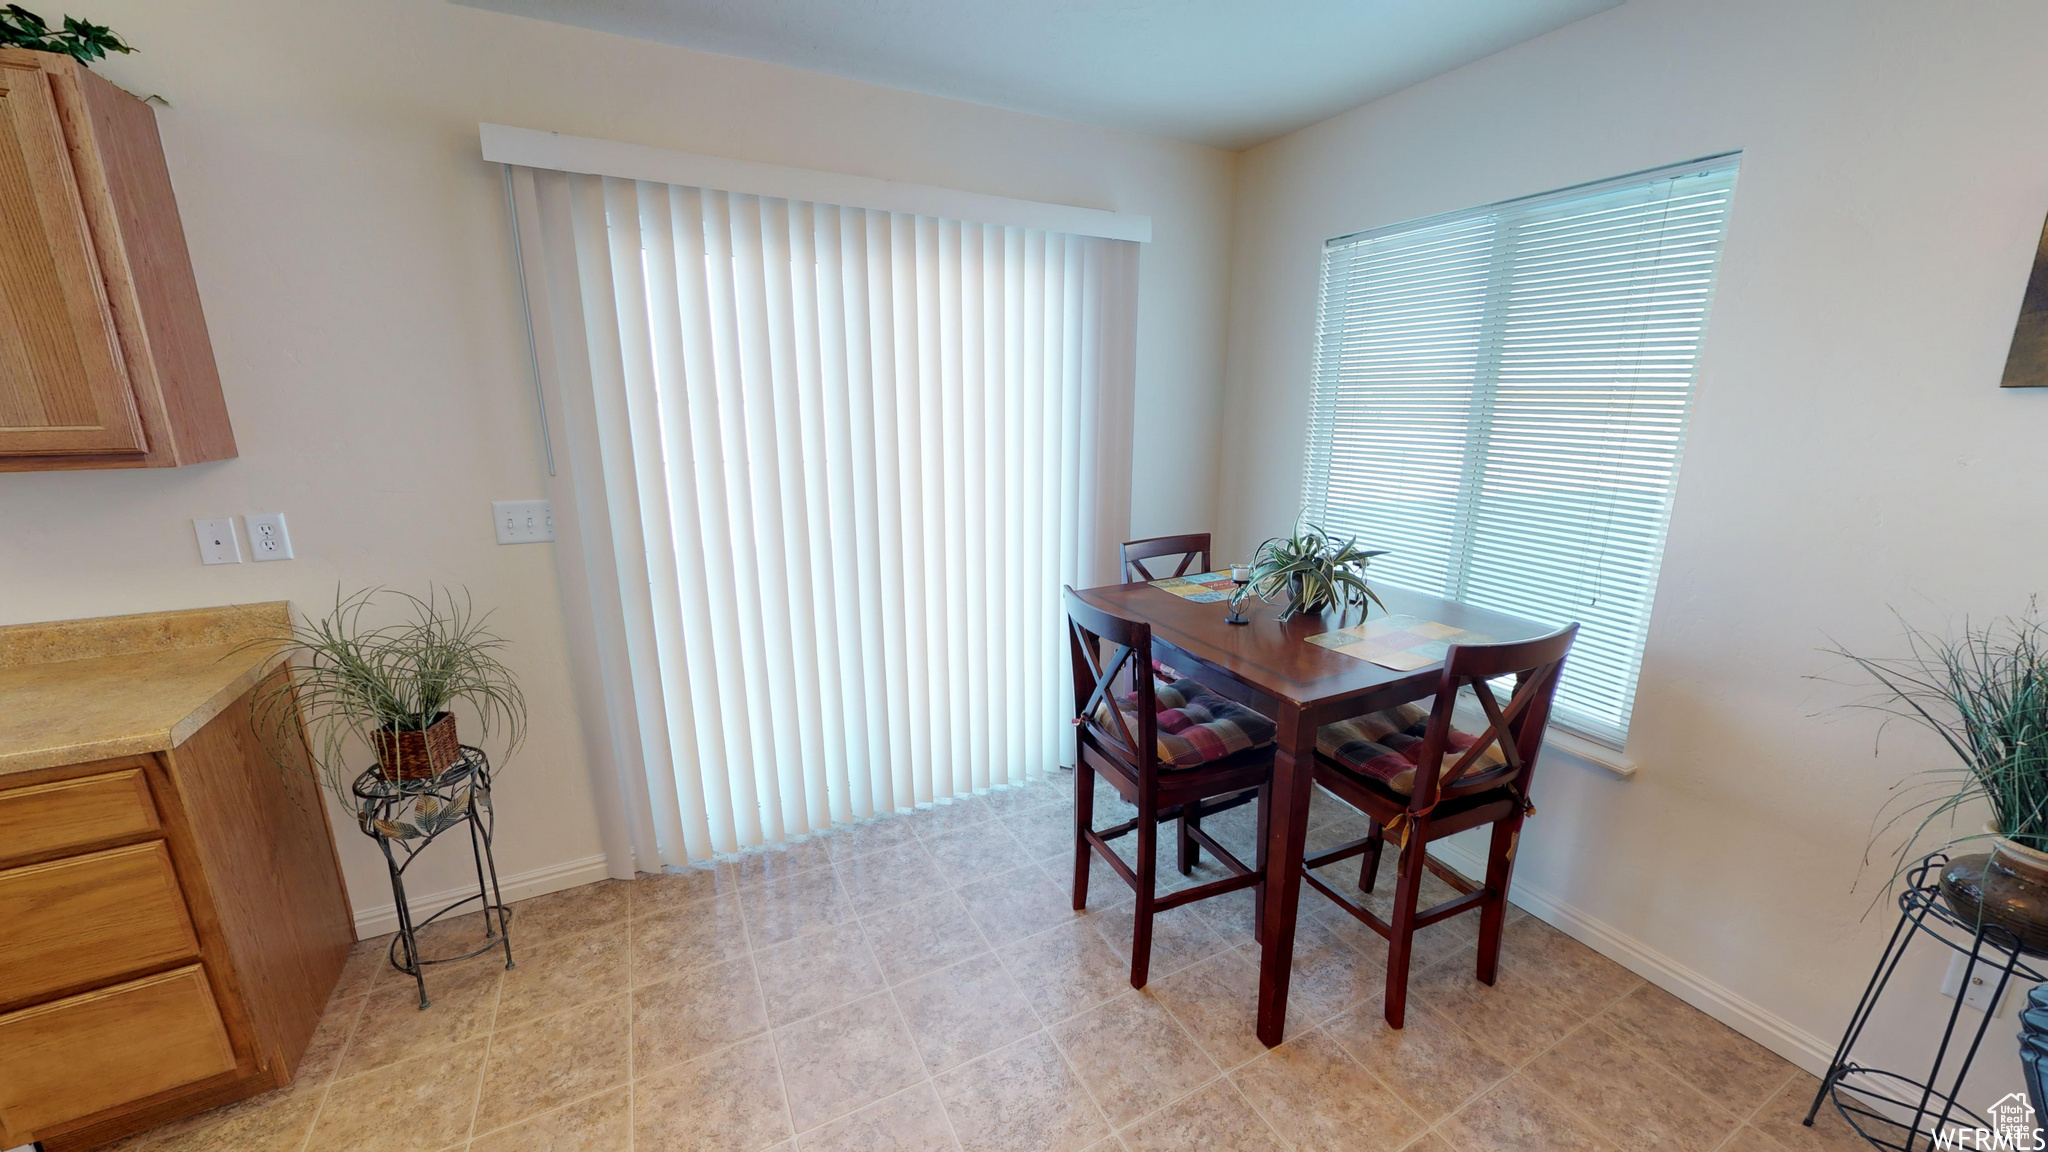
x,y
1501,398
827,469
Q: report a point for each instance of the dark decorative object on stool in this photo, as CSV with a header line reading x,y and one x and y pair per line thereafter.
x,y
2008,887
403,817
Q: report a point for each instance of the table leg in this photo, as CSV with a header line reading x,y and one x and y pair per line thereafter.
x,y
1293,772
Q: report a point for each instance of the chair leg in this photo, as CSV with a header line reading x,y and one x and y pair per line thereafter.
x,y
1369,864
1148,855
1265,809
1500,868
1084,819
1401,942
1190,852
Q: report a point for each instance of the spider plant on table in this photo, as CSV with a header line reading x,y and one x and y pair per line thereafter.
x,y
1314,569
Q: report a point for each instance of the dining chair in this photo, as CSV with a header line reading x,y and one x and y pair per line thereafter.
x,y
1193,549
1161,746
1187,546
1418,779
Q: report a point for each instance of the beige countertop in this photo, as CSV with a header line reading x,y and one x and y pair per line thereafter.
x,y
73,691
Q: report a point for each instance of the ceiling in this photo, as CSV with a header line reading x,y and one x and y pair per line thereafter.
x,y
1229,73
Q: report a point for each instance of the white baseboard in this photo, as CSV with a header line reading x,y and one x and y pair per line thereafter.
x,y
382,918
1739,1012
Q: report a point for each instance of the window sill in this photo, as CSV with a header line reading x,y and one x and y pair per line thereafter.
x,y
1580,748
1468,717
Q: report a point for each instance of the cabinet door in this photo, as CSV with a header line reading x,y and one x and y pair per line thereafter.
x,y
71,1058
62,385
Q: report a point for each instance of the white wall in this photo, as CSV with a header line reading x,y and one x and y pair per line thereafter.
x,y
353,259
1850,449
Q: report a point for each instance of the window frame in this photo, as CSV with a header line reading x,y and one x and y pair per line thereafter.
x,y
1589,737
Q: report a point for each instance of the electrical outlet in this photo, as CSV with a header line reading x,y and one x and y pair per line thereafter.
x,y
1981,983
217,544
523,521
268,539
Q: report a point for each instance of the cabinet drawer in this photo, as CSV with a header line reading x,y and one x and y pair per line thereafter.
x,y
88,919
73,813
76,1056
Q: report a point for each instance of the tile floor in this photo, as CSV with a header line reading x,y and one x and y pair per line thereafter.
x,y
921,982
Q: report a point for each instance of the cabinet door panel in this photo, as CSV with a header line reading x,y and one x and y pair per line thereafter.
x,y
71,1058
63,388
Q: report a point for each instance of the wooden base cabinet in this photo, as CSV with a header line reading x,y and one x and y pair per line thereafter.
x,y
171,926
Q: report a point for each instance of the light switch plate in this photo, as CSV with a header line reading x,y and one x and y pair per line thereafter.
x,y
523,521
268,539
217,544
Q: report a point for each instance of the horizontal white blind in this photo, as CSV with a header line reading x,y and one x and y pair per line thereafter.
x,y
1501,397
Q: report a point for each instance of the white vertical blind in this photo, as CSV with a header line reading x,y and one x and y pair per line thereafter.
x,y
1500,399
828,470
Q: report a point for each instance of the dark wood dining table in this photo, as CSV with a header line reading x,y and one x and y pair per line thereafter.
x,y
1270,666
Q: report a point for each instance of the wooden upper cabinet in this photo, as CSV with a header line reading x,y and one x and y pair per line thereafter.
x,y
104,357
66,389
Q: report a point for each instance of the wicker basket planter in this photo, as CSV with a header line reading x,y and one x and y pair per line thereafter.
x,y
417,755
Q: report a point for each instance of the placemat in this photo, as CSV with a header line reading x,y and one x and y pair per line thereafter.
x,y
1403,643
1202,588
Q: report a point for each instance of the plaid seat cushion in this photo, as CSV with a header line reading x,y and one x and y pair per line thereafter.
x,y
1196,726
1384,746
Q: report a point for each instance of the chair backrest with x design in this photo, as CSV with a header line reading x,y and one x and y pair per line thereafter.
x,y
1188,547
1515,728
1106,647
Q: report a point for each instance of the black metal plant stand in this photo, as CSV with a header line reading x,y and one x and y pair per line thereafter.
x,y
1891,1110
403,817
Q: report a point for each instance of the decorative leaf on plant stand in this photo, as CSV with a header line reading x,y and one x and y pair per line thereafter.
x,y
440,816
395,829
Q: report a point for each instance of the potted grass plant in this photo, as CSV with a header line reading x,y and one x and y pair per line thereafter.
x,y
1985,694
1313,568
394,687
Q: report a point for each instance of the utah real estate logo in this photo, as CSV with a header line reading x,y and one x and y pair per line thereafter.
x,y
2012,1130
